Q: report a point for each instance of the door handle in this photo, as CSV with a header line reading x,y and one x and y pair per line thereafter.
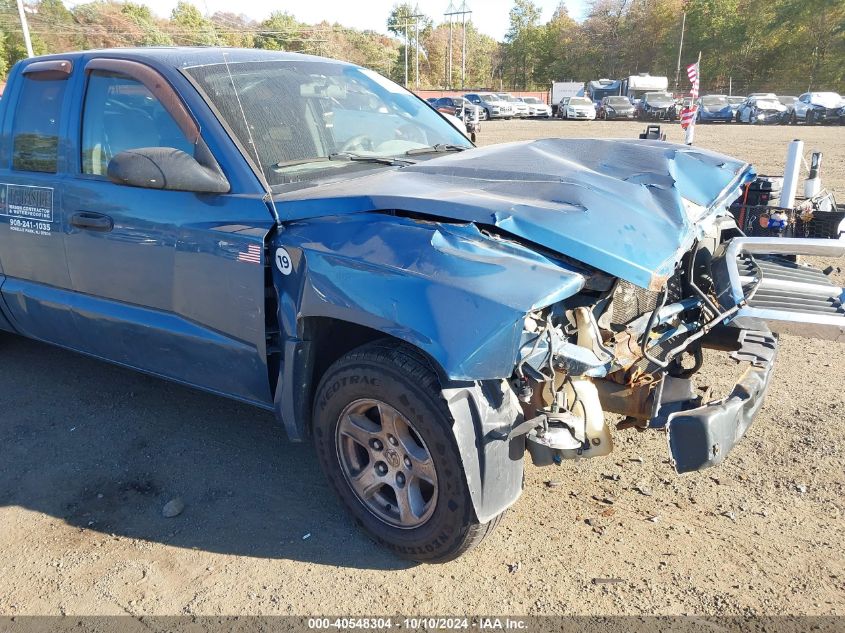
x,y
91,221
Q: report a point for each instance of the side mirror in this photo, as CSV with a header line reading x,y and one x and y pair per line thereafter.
x,y
164,168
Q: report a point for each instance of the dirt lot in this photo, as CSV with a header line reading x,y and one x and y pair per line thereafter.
x,y
91,453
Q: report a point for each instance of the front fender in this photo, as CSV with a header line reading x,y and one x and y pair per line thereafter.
x,y
449,290
454,293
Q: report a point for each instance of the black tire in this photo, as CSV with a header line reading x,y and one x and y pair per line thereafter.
x,y
487,115
810,118
399,377
793,120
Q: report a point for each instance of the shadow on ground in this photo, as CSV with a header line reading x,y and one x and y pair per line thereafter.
x,y
104,449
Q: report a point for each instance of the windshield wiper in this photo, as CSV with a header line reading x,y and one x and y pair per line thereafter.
x,y
439,147
300,161
347,156
383,160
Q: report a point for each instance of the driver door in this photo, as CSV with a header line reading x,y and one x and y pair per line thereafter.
x,y
168,282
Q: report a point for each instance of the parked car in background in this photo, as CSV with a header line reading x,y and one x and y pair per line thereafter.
x,y
472,111
760,109
713,108
816,107
657,106
789,104
735,101
520,108
577,108
561,106
537,108
615,107
461,107
491,105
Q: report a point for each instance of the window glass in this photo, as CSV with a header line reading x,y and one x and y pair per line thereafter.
x,y
36,128
295,117
121,114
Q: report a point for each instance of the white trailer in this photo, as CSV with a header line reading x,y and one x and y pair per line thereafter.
x,y
635,86
561,89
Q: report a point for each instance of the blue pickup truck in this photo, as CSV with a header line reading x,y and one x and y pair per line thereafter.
x,y
306,236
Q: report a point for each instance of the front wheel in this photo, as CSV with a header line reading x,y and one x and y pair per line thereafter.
x,y
383,437
810,118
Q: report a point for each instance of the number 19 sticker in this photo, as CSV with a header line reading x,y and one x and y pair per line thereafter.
x,y
283,262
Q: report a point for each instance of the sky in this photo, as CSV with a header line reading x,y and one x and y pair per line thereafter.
x,y
489,16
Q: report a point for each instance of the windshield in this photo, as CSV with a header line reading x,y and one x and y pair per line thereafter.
x,y
788,101
582,101
768,104
488,97
531,100
735,100
658,98
714,101
618,101
285,112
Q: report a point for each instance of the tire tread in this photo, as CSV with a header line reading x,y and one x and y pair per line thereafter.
x,y
416,367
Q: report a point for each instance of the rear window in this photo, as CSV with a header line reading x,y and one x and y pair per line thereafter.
x,y
35,132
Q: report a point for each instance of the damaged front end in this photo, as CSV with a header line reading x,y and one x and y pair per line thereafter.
x,y
634,352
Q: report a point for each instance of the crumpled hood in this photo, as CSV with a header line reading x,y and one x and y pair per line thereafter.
x,y
626,207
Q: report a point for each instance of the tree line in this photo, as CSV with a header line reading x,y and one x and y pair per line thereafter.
x,y
788,46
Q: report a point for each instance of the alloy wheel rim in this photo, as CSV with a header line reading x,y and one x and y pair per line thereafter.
x,y
386,463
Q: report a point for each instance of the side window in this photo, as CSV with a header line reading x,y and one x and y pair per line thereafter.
x,y
36,128
120,113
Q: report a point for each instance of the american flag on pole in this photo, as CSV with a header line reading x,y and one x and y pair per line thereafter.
x,y
692,73
251,255
690,112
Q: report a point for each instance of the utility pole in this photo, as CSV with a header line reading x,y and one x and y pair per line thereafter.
x,y
451,12
407,25
25,26
680,51
416,17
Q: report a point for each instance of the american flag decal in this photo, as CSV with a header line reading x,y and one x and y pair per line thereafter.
x,y
251,255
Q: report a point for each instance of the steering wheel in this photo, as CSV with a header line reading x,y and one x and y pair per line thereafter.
x,y
358,142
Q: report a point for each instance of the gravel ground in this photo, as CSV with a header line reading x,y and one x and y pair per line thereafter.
x,y
91,453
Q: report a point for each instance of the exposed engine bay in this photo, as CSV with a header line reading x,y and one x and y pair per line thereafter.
x,y
621,349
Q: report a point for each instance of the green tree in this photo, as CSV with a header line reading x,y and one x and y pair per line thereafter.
x,y
233,29
521,43
411,27
188,27
279,32
150,30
